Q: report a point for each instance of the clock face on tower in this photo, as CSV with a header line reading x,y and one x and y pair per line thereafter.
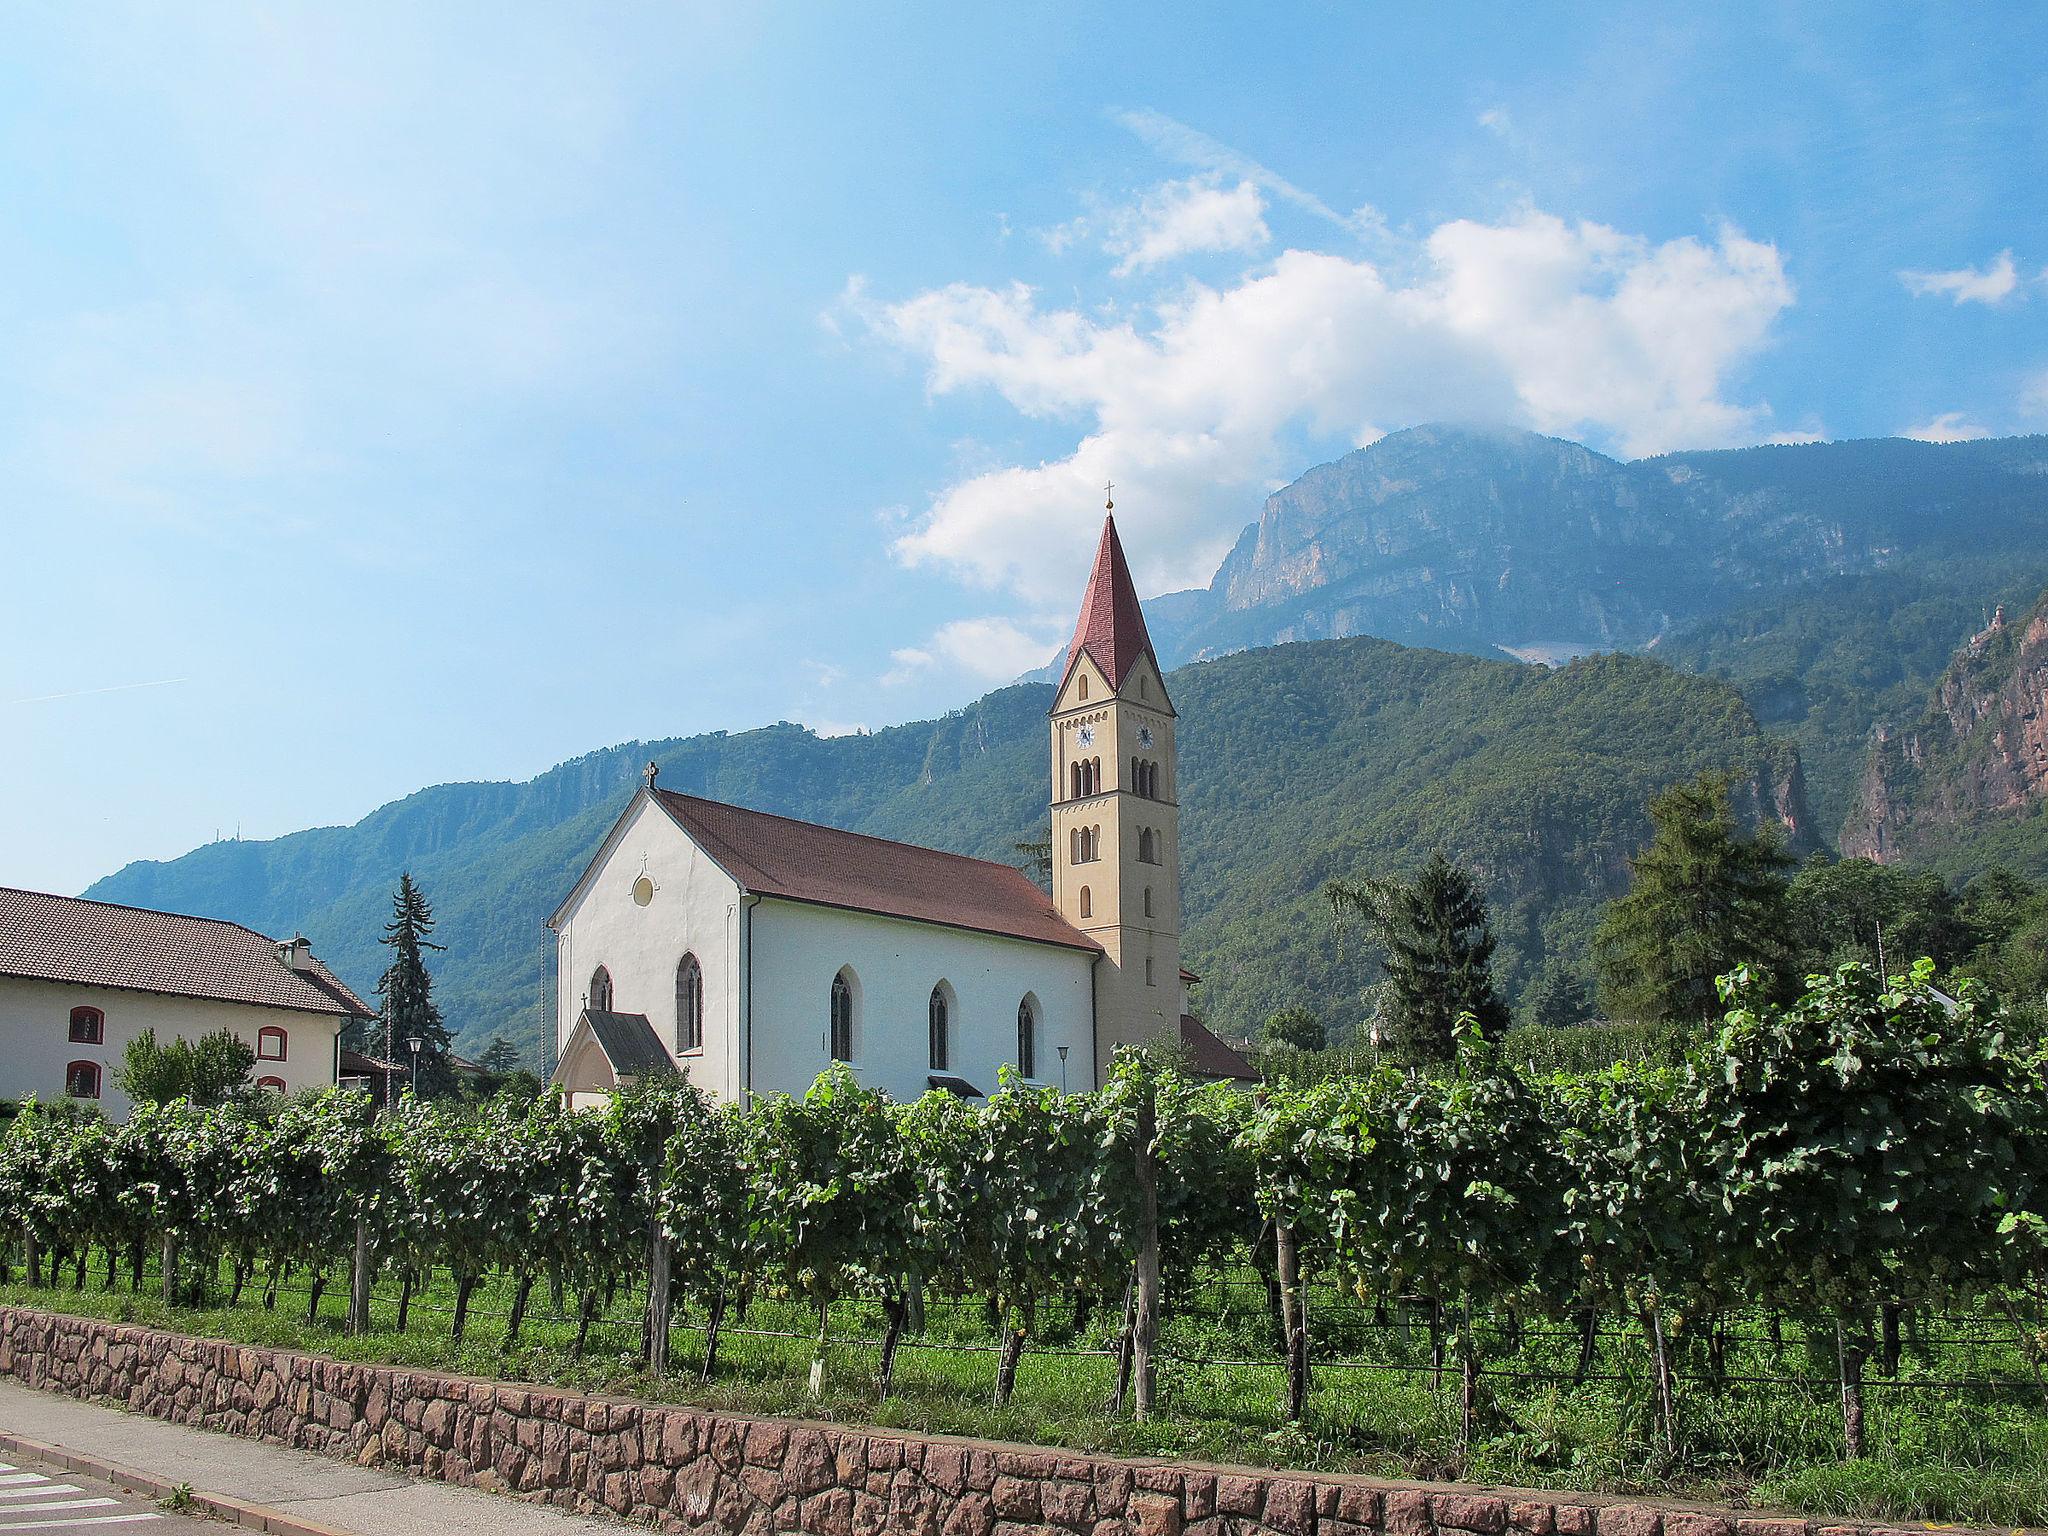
x,y
1087,734
1145,737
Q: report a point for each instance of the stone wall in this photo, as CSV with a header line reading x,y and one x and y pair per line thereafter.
x,y
686,1469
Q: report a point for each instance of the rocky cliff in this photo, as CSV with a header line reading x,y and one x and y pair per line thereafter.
x,y
1976,760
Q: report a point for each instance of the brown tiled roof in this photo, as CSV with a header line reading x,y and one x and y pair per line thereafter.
x,y
1212,1058
799,860
98,944
1112,625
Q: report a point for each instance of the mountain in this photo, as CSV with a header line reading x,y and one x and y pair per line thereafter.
x,y
1965,783
1499,541
1299,763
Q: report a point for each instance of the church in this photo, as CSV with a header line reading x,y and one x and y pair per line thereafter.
x,y
753,951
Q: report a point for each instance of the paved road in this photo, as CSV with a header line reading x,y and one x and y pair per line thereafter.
x,y
34,1497
337,1495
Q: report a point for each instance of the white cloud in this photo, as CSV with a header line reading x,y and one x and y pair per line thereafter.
x,y
1568,328
1992,284
2034,396
1948,427
1181,218
1190,146
992,649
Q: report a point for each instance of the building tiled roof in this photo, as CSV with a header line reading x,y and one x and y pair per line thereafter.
x,y
1111,628
629,1043
1211,1057
98,944
801,861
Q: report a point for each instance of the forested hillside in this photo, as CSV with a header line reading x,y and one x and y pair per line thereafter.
x,y
1828,665
1300,762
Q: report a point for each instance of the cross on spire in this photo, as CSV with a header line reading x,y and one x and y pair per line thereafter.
x,y
1109,496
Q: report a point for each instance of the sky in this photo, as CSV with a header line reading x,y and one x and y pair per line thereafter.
x,y
398,395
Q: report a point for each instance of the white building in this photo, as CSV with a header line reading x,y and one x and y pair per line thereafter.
x,y
752,951
80,979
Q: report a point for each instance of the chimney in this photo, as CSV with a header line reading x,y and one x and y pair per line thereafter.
x,y
297,953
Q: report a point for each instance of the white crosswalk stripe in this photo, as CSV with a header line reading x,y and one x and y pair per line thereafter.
x,y
47,1504
33,1494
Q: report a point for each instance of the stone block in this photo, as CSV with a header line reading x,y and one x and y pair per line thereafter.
x,y
1631,1520
1291,1507
1407,1512
1573,1520
1155,1514
1533,1517
1016,1498
1693,1522
1476,1512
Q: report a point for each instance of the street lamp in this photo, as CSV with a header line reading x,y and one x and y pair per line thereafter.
x,y
414,1042
1063,1069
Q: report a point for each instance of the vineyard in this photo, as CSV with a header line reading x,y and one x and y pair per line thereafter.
x,y
1810,1263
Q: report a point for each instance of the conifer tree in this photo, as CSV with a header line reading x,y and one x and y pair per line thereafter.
x,y
1704,900
408,990
1439,954
1558,1000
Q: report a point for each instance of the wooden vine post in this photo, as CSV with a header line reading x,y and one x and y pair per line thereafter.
x,y
360,1267
1293,1318
659,1298
1145,1331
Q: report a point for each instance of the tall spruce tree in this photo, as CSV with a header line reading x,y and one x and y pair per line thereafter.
x,y
1705,898
408,990
1439,954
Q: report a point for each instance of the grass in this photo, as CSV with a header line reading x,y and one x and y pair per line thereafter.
x,y
1937,1452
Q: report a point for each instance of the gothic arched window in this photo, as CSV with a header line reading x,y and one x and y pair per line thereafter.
x,y
689,1004
1027,1039
600,991
839,1040
936,1016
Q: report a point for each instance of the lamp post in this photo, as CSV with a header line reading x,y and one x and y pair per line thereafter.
x,y
1063,1069
414,1042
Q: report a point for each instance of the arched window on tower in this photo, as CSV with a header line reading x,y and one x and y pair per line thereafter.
x,y
600,991
839,1032
1087,902
1074,781
1027,1039
937,1017
1082,692
689,1004
1145,845
1148,901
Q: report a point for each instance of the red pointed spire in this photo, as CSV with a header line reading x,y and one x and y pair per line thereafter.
x,y
1112,625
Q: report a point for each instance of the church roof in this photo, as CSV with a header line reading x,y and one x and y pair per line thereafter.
x,y
802,861
1210,1056
136,949
1111,628
628,1042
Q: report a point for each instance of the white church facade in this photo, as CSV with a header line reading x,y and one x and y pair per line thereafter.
x,y
752,951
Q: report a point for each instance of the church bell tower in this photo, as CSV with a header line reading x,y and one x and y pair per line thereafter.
x,y
1116,812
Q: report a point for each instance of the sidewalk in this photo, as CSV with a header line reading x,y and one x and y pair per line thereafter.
x,y
269,1487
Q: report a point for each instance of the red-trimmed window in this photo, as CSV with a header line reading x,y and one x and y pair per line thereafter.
x,y
270,1044
82,1079
88,1027
270,1084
